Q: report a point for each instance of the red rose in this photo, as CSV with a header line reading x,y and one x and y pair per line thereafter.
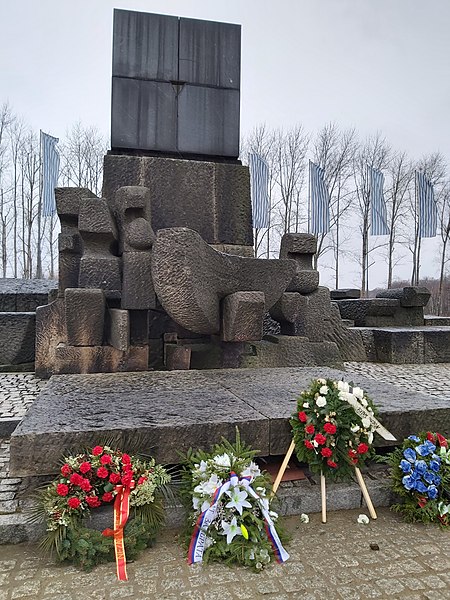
x,y
66,470
93,501
352,453
127,479
127,468
430,437
331,464
114,478
97,450
73,502
320,439
85,485
329,428
76,479
102,472
106,459
126,458
309,429
302,416
141,480
422,501
442,440
326,452
308,444
107,497
62,489
85,467
363,448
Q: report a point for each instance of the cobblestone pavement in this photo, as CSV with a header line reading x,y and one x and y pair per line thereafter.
x,y
17,393
337,560
430,379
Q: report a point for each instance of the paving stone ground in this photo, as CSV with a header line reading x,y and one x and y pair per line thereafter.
x,y
334,560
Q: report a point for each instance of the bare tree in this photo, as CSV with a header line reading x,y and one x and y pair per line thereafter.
x,y
373,153
334,150
16,133
401,175
82,155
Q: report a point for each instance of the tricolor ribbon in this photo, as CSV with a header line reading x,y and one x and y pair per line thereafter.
x,y
197,544
121,513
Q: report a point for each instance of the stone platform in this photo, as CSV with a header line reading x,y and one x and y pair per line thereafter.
x,y
167,413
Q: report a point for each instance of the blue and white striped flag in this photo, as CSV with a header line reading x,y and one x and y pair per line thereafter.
x,y
378,224
259,180
50,170
320,200
427,206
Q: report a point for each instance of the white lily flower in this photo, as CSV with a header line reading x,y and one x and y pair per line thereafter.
x,y
237,499
304,518
222,460
231,529
324,390
321,402
251,471
207,488
358,392
363,519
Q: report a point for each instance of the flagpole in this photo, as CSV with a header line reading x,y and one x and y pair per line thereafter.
x,y
309,198
39,215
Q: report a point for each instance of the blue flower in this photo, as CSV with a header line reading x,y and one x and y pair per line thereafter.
x,y
420,466
415,474
408,482
437,480
420,487
414,438
429,476
426,448
405,466
409,454
435,465
432,492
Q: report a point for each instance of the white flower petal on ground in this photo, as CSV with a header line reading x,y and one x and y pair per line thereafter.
x,y
231,529
321,402
304,518
363,519
237,499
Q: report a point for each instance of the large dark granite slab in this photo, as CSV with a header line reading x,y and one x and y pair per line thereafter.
x,y
170,412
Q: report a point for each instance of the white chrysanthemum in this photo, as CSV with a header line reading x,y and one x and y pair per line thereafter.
x,y
322,381
321,402
358,392
305,404
324,390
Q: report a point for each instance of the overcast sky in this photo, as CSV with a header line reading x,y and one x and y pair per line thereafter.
x,y
369,64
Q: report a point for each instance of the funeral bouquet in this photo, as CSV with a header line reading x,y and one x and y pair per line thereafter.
x,y
333,428
229,516
421,477
99,477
